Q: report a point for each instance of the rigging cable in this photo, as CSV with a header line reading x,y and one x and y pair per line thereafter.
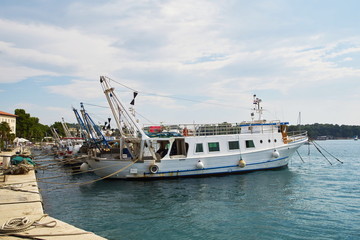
x,y
173,97
95,105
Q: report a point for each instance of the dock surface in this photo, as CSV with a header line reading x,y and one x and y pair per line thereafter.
x,y
20,197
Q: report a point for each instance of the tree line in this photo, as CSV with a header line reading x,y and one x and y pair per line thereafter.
x,y
331,131
30,128
27,127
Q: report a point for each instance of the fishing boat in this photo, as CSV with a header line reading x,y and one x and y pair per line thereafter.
x,y
198,150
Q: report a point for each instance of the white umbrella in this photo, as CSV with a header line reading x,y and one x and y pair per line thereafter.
x,y
20,140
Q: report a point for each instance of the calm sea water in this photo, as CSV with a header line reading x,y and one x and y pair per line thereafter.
x,y
311,200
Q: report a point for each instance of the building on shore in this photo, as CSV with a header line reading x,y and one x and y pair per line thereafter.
x,y
10,119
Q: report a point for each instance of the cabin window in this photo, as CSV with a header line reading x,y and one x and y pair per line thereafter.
x,y
261,141
214,146
199,148
179,148
233,145
163,148
249,143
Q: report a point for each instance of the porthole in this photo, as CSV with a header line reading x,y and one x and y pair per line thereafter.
x,y
269,141
274,140
261,141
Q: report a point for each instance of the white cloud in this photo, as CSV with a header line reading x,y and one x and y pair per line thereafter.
x,y
47,115
15,73
222,51
53,50
58,113
78,89
348,59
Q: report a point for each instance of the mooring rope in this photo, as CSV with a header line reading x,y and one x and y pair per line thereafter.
x,y
300,156
71,173
315,143
70,185
21,168
36,236
13,188
317,148
61,161
41,156
19,224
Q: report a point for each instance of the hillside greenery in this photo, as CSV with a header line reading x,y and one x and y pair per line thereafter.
x,y
331,131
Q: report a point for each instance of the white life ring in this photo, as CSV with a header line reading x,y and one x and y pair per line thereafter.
x,y
154,168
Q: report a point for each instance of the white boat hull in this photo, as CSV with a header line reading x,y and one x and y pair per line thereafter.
x,y
201,149
183,167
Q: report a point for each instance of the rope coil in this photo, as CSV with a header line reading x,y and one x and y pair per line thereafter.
x,y
16,225
19,224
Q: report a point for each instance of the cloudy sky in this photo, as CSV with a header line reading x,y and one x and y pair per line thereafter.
x,y
191,61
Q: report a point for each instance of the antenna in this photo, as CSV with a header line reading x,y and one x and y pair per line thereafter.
x,y
257,108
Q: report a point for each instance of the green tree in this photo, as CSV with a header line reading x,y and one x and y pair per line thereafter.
x,y
5,134
29,127
22,123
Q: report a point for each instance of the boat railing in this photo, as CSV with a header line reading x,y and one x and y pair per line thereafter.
x,y
217,129
195,129
297,136
213,129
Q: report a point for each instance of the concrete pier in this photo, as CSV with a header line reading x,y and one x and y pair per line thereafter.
x,y
20,197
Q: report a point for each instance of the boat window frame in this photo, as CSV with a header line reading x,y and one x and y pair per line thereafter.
x,y
237,147
217,149
249,144
196,148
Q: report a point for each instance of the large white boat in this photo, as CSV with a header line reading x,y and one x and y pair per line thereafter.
x,y
201,150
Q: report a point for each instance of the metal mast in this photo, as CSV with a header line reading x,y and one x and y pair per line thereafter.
x,y
124,119
66,129
83,131
130,130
